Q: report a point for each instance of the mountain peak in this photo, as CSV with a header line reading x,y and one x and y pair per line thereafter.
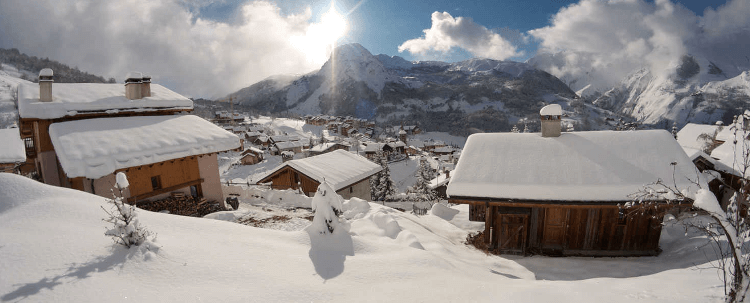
x,y
354,62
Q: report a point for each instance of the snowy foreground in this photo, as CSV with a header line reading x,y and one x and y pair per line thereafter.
x,y
53,249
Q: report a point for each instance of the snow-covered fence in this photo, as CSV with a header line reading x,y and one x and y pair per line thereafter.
x,y
419,211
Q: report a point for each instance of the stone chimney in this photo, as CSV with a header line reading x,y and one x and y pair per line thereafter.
x,y
551,116
45,85
146,88
133,85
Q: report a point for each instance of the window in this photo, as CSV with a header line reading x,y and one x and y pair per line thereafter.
x,y
351,189
156,182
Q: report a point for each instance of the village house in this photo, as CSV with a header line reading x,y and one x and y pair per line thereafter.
x,y
349,174
440,184
372,149
724,159
12,151
294,147
429,146
79,135
561,193
251,156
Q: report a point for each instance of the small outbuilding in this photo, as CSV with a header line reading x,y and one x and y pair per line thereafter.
x,y
349,174
563,193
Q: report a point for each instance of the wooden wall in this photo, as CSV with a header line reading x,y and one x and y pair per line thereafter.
x,y
288,178
555,229
172,173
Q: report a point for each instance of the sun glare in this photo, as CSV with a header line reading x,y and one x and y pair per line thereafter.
x,y
321,37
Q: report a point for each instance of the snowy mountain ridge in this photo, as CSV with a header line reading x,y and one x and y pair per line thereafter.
x,y
694,90
476,94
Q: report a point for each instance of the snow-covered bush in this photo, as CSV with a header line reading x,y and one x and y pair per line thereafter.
x,y
326,204
126,229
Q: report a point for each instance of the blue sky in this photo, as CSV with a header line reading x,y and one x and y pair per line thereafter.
x,y
381,26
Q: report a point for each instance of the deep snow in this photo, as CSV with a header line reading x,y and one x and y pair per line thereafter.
x,y
53,249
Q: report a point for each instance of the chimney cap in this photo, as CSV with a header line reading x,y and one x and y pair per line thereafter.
x,y
551,110
45,72
133,76
146,78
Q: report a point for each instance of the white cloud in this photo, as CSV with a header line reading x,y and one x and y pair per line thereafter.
x,y
448,32
163,38
600,42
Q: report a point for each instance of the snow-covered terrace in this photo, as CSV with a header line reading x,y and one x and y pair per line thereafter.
x,y
94,148
579,166
70,99
12,149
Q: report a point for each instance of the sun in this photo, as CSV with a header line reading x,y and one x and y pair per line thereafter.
x,y
333,25
321,37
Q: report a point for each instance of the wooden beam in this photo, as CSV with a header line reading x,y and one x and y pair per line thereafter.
x,y
164,190
487,224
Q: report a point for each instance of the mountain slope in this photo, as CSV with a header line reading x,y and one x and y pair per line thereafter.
x,y
695,90
467,96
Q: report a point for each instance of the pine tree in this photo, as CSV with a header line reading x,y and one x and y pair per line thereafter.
x,y
515,129
421,189
381,185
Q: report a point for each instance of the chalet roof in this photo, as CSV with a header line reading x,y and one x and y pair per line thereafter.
x,y
339,168
444,149
93,148
284,138
288,144
70,99
253,150
688,135
12,149
440,180
578,166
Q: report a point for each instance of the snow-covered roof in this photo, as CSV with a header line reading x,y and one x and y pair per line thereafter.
x,y
288,144
440,180
443,149
93,148
324,146
70,99
12,149
688,135
579,166
339,168
551,110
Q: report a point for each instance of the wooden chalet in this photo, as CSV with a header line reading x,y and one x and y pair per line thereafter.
x,y
79,135
372,148
349,174
251,156
12,151
287,146
429,146
561,194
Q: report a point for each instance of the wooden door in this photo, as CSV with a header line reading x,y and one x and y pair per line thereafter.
x,y
555,223
512,233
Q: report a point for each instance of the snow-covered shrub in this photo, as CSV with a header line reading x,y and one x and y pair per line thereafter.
x,y
126,230
326,204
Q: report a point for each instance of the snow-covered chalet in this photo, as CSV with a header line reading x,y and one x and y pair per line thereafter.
x,y
561,193
347,173
79,135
